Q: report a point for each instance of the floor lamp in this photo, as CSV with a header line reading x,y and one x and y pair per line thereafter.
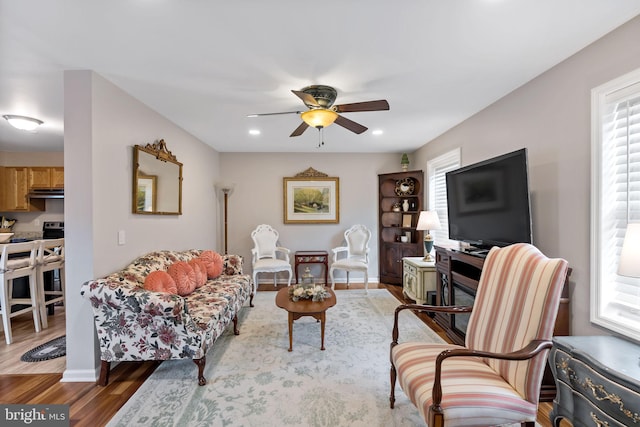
x,y
226,189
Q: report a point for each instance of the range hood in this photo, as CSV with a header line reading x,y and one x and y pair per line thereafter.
x,y
46,194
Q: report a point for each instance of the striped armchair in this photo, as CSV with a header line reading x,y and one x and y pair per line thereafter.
x,y
495,378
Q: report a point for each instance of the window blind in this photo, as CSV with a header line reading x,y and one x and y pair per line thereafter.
x,y
437,169
619,203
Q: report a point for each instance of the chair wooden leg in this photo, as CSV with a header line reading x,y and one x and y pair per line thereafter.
x,y
105,368
436,417
200,363
392,395
35,306
6,311
235,325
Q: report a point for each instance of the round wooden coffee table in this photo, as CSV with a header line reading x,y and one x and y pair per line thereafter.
x,y
298,309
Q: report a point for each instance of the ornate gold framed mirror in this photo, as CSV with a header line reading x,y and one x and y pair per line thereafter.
x,y
157,180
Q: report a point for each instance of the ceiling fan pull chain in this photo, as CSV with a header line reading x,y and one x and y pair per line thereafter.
x,y
320,136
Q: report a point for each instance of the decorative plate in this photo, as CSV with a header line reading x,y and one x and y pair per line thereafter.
x,y
405,187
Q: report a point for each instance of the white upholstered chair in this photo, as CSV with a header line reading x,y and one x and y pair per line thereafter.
x,y
50,257
495,378
267,256
354,256
18,260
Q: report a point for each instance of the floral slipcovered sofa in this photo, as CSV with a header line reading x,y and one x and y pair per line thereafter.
x,y
136,324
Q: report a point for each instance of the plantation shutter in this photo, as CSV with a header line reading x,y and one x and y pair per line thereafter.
x,y
437,200
619,201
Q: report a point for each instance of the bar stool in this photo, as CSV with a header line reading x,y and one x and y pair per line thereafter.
x,y
21,264
50,257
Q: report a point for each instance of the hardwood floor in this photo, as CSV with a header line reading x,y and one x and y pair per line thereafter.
x,y
91,405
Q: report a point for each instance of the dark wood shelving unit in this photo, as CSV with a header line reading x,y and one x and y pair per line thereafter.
x,y
390,223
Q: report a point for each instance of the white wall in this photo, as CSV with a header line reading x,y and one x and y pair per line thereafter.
x,y
258,198
550,116
102,124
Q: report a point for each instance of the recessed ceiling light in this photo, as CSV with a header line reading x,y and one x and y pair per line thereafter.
x,y
254,132
377,132
22,122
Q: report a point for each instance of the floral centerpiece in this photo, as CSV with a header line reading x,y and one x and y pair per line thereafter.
x,y
312,292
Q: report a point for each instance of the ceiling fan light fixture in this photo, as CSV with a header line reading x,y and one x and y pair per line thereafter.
x,y
23,122
319,117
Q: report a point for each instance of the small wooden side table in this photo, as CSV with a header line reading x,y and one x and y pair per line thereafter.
x,y
312,257
298,309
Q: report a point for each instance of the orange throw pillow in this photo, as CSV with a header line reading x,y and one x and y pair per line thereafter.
x,y
160,281
184,276
200,270
213,262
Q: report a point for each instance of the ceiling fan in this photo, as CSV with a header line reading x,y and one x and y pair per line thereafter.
x,y
321,113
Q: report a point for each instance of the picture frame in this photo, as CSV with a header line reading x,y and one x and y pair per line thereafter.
x,y
406,221
311,198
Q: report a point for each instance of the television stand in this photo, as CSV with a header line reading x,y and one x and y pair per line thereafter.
x,y
457,276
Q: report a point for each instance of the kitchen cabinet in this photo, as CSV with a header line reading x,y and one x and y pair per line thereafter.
x,y
15,187
399,204
44,177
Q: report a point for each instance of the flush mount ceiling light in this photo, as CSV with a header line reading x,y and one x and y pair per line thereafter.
x,y
319,117
22,122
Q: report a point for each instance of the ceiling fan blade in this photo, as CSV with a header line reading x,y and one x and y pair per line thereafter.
x,y
378,105
300,129
306,98
273,114
350,124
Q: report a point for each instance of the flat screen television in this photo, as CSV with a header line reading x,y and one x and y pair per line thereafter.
x,y
488,202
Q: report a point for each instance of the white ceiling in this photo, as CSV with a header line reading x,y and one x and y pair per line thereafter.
x,y
207,64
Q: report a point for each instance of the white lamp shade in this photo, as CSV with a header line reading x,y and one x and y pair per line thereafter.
x,y
629,264
428,220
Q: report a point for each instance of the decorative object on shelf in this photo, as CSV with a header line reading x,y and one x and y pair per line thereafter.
x,y
405,187
404,162
428,220
405,205
307,277
406,221
304,291
629,264
404,239
311,197
396,207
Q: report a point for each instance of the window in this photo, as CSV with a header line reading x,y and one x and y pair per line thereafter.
x,y
436,176
615,195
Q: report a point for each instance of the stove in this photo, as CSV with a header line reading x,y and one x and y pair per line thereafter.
x,y
53,229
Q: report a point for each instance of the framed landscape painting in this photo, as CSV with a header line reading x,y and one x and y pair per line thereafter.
x,y
311,200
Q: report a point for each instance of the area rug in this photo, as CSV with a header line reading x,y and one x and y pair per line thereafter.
x,y
254,381
57,347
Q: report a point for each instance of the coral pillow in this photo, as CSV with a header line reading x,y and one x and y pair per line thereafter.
x,y
160,281
200,270
213,262
184,276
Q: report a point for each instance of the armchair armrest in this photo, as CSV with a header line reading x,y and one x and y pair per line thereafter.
x,y
453,309
284,251
531,350
338,250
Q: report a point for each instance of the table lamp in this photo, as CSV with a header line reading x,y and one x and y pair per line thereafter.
x,y
428,220
629,264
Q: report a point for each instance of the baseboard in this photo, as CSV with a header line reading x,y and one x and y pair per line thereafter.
x,y
80,375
